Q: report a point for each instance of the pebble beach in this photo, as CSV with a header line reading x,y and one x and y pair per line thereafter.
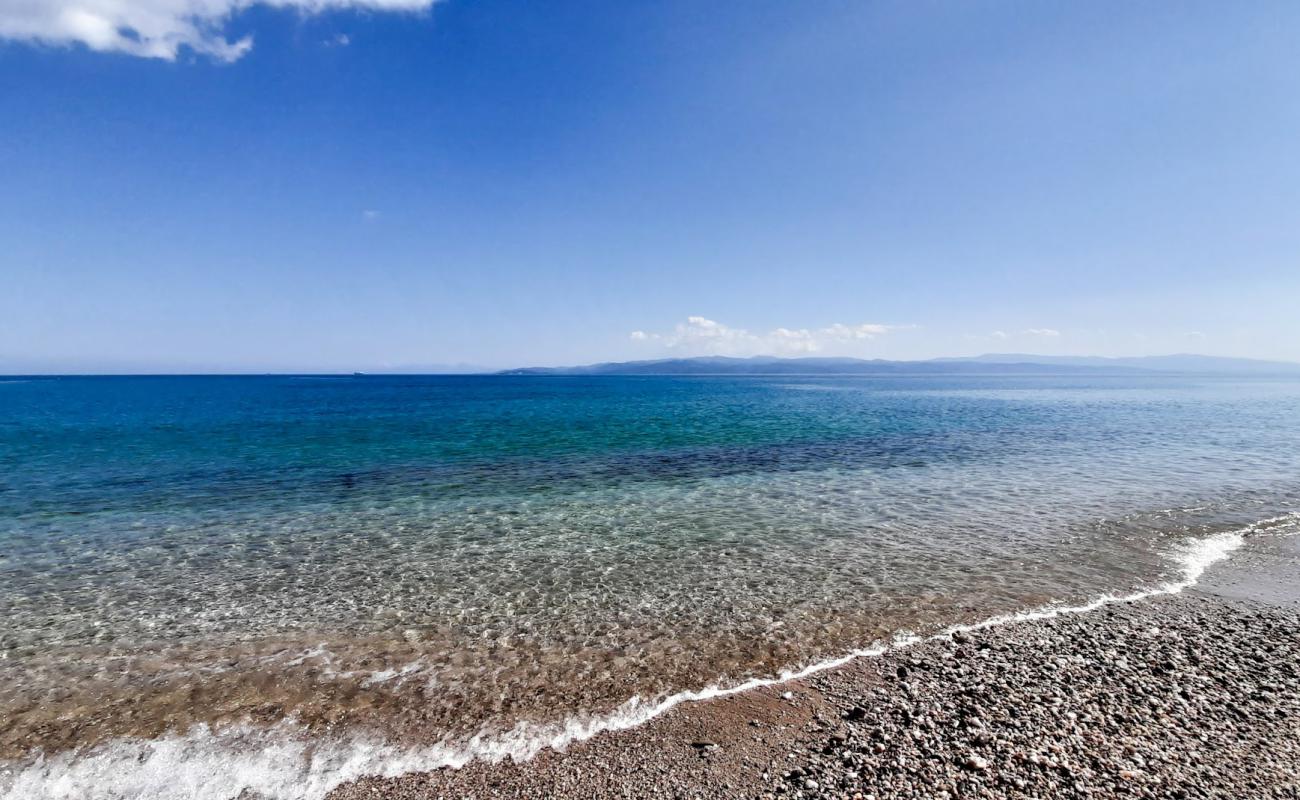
x,y
1191,695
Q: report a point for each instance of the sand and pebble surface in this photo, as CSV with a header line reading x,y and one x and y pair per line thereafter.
x,y
1194,695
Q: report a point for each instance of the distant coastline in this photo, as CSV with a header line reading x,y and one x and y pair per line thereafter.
x,y
988,364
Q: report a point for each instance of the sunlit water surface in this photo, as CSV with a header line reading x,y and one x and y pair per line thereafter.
x,y
420,561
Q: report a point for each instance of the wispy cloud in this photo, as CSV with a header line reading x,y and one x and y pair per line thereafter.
x,y
703,336
1048,333
157,28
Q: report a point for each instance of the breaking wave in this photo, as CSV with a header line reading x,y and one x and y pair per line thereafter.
x,y
285,763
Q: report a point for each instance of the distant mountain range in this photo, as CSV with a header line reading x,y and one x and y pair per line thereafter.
x,y
988,364
1179,362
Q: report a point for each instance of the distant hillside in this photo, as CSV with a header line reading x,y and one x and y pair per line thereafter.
x,y
1180,362
990,364
768,365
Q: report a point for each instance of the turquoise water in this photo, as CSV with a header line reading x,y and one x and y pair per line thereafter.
x,y
420,560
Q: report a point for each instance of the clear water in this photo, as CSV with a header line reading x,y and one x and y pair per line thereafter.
x,y
419,561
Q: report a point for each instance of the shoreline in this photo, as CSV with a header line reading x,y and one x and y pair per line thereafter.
x,y
766,737
905,721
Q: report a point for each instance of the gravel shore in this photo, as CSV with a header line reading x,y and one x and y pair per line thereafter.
x,y
1188,696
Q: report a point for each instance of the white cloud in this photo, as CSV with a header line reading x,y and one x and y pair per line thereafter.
x,y
156,28
703,336
1001,336
850,332
370,215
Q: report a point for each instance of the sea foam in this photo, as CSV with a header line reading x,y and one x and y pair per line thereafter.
x,y
285,763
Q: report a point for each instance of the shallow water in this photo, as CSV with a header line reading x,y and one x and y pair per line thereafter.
x,y
468,565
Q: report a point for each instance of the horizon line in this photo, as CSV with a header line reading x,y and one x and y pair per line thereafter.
x,y
490,371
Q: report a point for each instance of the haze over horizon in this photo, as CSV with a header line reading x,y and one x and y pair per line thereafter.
x,y
1193,362
335,186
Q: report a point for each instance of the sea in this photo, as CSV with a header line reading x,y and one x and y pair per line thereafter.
x,y
265,586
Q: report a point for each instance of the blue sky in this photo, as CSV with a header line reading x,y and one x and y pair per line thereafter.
x,y
368,184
